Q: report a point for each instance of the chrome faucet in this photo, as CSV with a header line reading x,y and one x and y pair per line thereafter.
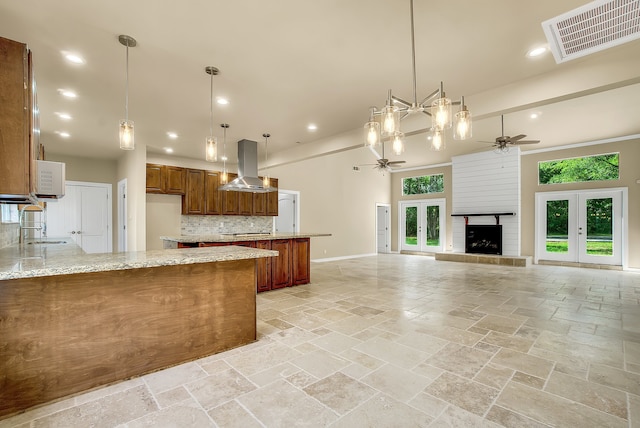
x,y
23,228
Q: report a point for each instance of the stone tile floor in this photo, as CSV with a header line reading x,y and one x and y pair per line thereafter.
x,y
403,341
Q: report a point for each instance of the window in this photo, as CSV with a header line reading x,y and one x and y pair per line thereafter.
x,y
423,185
576,170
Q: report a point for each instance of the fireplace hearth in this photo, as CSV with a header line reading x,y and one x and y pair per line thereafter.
x,y
483,239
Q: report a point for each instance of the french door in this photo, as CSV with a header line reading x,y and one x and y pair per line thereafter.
x,y
422,225
582,226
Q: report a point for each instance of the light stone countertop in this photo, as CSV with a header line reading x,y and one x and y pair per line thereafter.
x,y
240,237
37,260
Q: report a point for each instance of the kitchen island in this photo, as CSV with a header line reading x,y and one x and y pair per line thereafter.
x,y
292,267
71,321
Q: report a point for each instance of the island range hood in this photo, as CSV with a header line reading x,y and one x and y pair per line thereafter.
x,y
247,180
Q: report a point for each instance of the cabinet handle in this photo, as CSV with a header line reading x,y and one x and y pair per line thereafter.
x,y
73,232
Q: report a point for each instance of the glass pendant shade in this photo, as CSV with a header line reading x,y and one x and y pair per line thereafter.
x,y
224,177
462,127
441,114
211,147
398,144
390,120
371,134
126,135
437,141
266,182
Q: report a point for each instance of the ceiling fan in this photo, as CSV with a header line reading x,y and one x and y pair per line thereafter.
x,y
382,164
503,142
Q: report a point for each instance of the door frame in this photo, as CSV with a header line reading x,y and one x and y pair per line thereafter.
x,y
387,227
443,219
538,219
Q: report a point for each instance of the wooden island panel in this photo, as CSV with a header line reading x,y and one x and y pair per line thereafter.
x,y
61,335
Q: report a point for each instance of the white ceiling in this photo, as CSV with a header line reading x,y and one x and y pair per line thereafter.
x,y
287,63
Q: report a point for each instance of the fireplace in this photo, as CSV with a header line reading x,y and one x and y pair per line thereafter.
x,y
483,239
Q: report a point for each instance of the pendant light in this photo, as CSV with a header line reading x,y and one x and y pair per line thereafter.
x,y
266,182
211,143
224,177
462,130
437,140
398,145
371,130
126,126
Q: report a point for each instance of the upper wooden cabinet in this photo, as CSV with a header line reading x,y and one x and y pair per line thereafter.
x,y
229,198
201,195
272,199
175,180
193,201
166,179
18,121
155,178
212,202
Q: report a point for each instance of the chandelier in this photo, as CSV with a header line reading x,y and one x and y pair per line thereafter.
x,y
385,123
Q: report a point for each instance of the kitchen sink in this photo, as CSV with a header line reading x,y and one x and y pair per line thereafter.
x,y
47,242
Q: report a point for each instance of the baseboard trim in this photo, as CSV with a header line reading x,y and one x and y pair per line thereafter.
x,y
334,259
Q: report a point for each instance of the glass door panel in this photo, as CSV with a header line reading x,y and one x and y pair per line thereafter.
x,y
422,225
557,234
410,238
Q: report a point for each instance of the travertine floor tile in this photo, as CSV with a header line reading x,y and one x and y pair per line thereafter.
x,y
397,340
283,405
468,395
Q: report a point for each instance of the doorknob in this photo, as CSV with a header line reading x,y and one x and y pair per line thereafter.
x,y
73,232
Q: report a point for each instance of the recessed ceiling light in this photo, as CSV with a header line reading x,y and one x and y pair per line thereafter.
x,y
63,134
67,93
172,135
537,51
168,150
224,158
222,101
312,127
534,115
74,58
64,116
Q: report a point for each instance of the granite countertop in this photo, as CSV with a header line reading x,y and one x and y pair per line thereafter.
x,y
36,260
240,237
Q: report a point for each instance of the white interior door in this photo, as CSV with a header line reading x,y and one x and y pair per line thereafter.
x,y
84,215
581,226
286,219
422,225
383,223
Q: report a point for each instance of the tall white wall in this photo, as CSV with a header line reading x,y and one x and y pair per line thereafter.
x,y
487,182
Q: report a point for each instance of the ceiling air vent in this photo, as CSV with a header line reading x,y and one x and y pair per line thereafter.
x,y
593,27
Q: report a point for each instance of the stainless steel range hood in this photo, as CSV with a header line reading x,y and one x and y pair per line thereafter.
x,y
247,180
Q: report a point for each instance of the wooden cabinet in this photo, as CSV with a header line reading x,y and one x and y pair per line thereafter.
x,y
155,178
259,203
245,203
272,199
301,261
211,193
263,268
18,121
201,195
281,265
229,199
291,267
166,179
193,200
175,180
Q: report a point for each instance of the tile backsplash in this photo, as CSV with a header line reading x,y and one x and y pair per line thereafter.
x,y
212,225
8,234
